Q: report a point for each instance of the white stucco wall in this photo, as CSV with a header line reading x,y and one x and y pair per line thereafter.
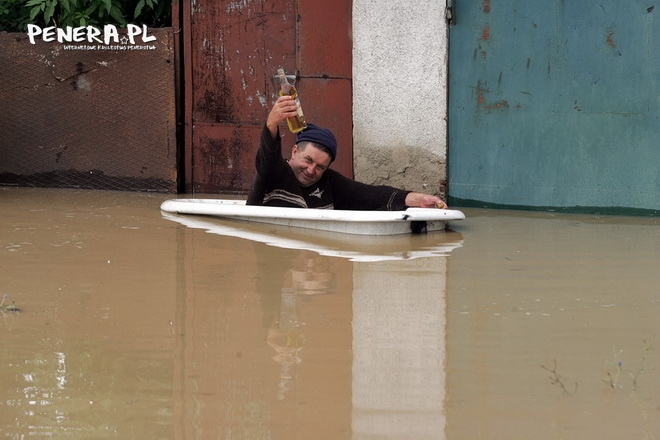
x,y
400,93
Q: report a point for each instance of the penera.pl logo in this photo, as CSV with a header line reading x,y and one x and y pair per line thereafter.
x,y
92,38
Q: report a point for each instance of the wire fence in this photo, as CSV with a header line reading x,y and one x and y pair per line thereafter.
x,y
88,118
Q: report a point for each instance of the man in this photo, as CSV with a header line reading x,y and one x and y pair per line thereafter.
x,y
305,180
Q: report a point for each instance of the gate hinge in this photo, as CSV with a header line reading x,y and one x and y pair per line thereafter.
x,y
449,13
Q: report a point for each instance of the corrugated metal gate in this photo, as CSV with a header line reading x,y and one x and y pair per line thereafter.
x,y
555,105
231,50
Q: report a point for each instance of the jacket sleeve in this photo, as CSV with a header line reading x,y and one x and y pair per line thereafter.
x,y
350,194
269,161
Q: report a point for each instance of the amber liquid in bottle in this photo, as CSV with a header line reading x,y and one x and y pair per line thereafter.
x,y
296,123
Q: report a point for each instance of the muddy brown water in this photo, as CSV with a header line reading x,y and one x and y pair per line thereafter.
x,y
135,325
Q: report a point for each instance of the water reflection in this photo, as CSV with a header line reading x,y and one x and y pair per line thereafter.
x,y
353,247
309,275
347,344
398,368
392,379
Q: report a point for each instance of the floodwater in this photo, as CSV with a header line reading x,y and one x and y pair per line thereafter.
x,y
137,325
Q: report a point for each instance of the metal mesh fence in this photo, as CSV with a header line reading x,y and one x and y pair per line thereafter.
x,y
88,118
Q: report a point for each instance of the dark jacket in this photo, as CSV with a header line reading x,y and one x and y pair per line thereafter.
x,y
276,185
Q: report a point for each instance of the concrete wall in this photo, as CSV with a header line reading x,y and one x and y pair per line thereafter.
x,y
399,93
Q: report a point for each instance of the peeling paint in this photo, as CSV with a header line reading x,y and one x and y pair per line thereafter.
x,y
262,99
237,6
196,8
243,82
46,61
486,6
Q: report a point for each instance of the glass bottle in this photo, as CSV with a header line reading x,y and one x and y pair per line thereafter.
x,y
296,123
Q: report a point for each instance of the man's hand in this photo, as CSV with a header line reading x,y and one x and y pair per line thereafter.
x,y
285,107
419,200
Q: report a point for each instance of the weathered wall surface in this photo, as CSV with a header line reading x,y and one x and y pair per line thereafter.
x,y
399,93
554,105
88,118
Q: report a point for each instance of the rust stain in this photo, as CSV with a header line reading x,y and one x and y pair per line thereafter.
x,y
481,100
499,105
219,158
480,95
610,40
217,104
486,6
485,34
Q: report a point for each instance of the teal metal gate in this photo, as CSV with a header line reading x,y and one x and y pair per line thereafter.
x,y
554,105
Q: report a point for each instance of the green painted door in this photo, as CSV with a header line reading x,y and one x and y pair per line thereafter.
x,y
555,104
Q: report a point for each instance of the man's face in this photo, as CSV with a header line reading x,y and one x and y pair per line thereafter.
x,y
308,163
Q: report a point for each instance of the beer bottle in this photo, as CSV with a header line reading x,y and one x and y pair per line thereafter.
x,y
296,123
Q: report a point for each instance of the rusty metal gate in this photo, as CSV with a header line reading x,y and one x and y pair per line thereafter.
x,y
230,52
